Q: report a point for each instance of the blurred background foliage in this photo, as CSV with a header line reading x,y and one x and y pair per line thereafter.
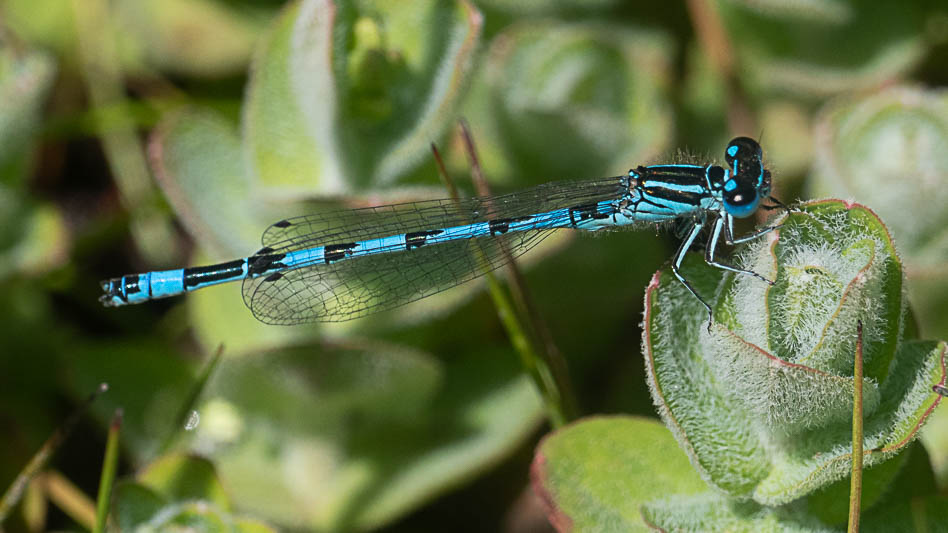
x,y
138,135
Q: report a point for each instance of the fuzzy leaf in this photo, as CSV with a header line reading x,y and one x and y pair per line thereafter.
x,y
890,151
351,94
774,373
595,475
715,512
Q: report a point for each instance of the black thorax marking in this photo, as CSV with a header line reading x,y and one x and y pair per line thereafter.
x,y
674,195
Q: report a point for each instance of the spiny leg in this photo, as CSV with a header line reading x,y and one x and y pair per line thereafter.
x,y
779,205
729,232
710,250
676,266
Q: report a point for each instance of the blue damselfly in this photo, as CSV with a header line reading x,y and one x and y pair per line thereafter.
x,y
342,265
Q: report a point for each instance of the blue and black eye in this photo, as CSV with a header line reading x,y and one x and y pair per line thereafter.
x,y
740,198
743,149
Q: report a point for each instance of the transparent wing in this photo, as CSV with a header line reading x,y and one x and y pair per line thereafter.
x,y
360,224
328,293
356,287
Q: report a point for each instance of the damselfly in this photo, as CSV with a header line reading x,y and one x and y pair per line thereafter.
x,y
343,265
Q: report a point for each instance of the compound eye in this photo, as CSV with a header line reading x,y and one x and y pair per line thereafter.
x,y
742,149
740,200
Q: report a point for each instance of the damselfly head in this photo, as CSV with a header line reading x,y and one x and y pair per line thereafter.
x,y
749,181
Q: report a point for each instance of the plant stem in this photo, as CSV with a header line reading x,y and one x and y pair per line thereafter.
x,y
109,467
69,498
855,487
551,363
518,332
716,45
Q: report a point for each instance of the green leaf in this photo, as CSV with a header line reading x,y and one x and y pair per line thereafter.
x,y
811,323
823,47
202,516
911,502
178,493
196,158
344,96
325,385
890,151
771,421
923,515
32,237
204,38
280,150
252,525
180,477
191,516
905,504
595,475
189,37
53,28
546,6
886,151
597,93
148,380
350,436
134,504
715,512
25,80
935,438
831,503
